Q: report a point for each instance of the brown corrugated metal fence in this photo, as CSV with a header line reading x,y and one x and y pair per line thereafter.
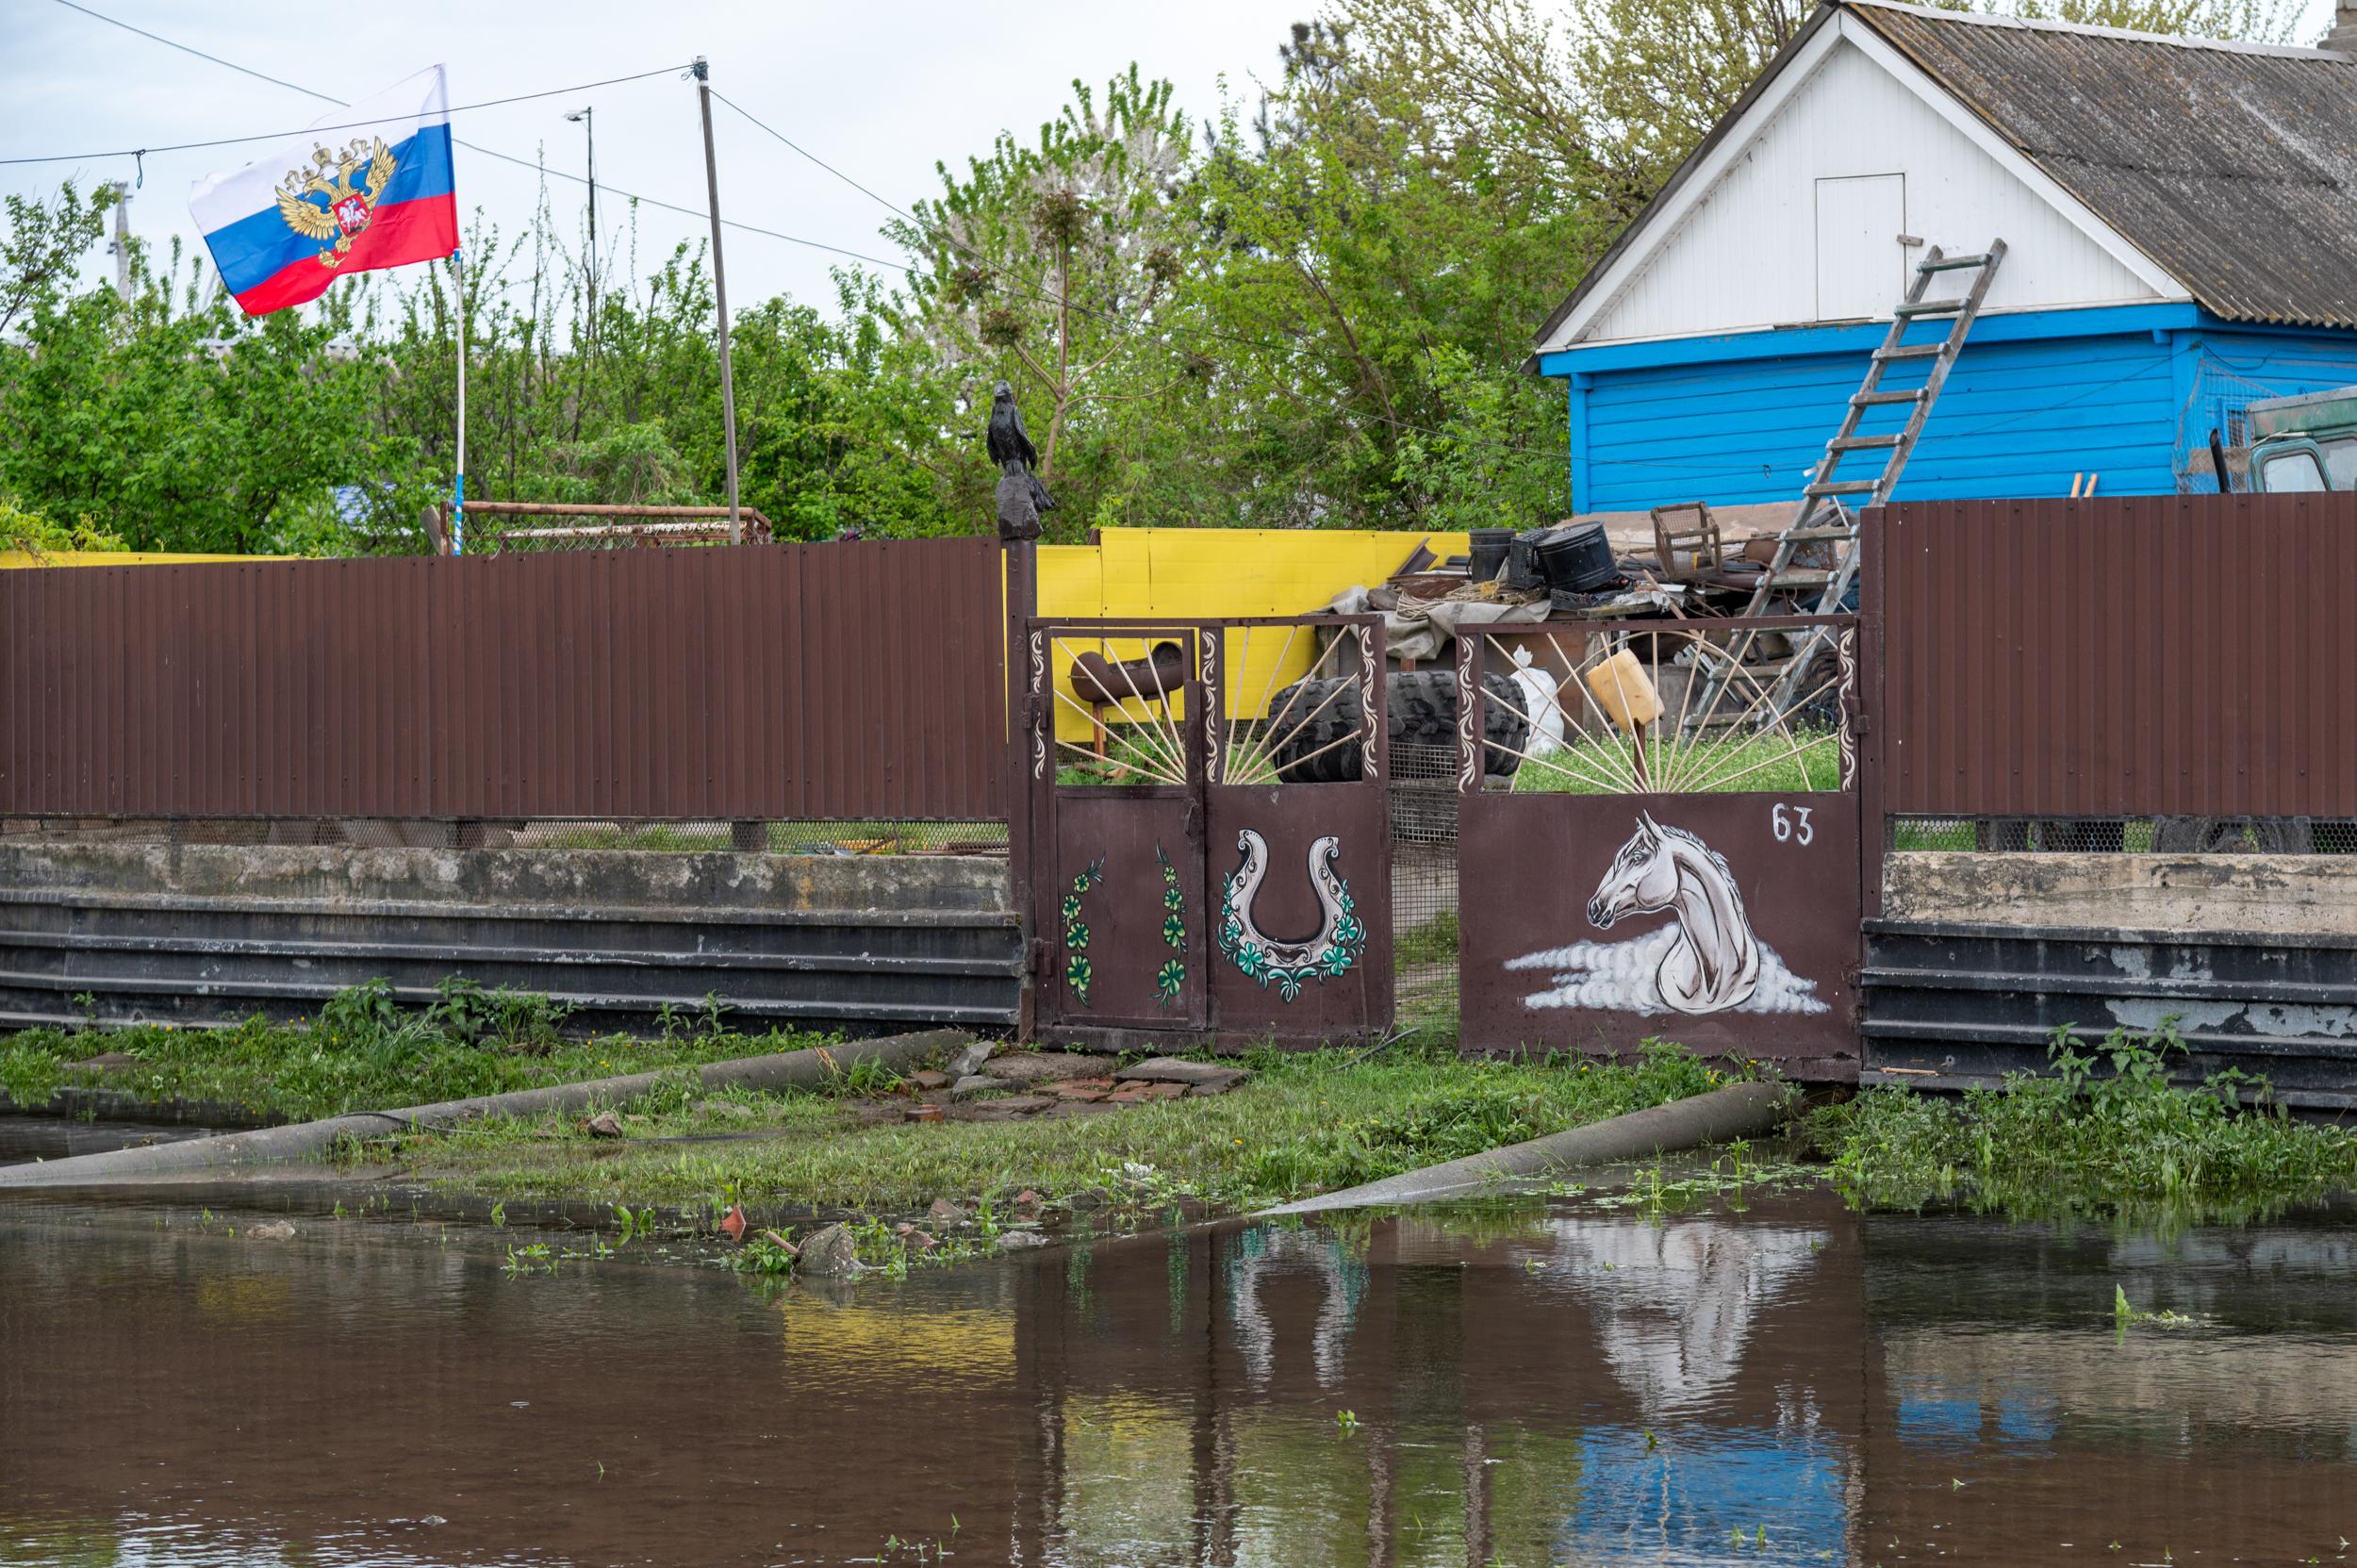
x,y
751,682
2144,655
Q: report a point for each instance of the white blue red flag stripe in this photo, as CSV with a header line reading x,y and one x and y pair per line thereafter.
x,y
367,186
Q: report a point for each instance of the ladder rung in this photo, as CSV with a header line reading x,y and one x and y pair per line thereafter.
x,y
1863,399
1799,580
1911,351
1952,264
1928,307
1862,443
1803,535
1843,486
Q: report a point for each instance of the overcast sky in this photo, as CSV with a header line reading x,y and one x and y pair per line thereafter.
x,y
881,89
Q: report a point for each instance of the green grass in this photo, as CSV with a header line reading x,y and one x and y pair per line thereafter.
x,y
2136,838
1433,942
2107,1135
1595,765
364,1051
1307,1122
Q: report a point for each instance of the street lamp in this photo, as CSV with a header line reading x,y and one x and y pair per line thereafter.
x,y
584,119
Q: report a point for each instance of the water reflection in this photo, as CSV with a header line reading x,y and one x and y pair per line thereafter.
x,y
1545,1382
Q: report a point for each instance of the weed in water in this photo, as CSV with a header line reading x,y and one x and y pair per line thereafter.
x,y
2125,1315
766,1253
2106,1133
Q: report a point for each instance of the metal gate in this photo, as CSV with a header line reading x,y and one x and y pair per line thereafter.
x,y
1673,852
1210,849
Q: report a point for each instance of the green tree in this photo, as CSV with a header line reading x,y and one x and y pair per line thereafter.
x,y
1054,265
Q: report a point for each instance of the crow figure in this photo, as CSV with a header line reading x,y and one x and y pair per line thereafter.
x,y
1011,447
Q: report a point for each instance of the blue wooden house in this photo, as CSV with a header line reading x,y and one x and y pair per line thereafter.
x,y
2181,217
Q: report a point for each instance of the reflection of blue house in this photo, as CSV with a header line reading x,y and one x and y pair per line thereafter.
x,y
2182,224
1684,1500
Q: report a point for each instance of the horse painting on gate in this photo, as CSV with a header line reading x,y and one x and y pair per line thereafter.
x,y
1707,959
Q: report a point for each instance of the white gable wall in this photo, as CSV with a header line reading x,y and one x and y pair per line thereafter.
x,y
1745,256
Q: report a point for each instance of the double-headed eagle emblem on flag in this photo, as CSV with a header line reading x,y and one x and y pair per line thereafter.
x,y
343,210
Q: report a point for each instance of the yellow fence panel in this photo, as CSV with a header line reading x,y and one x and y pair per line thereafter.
x,y
1201,573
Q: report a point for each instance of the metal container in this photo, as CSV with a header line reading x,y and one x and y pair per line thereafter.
x,y
1577,558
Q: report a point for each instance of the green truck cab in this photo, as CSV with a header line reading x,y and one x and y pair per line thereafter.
x,y
2303,443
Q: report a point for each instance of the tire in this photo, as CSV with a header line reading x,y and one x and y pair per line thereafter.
x,y
1421,712
2212,835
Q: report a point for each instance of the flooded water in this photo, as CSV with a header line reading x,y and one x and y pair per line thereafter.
x,y
1558,1382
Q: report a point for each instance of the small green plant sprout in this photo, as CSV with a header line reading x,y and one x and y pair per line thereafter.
x,y
767,1252
1345,1421
498,1213
1652,1443
2124,1315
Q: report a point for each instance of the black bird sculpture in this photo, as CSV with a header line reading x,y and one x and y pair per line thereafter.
x,y
1011,446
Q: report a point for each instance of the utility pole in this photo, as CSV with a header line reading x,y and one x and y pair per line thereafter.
x,y
121,246
585,119
720,294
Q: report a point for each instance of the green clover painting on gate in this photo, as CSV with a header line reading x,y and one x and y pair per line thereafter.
x,y
1079,970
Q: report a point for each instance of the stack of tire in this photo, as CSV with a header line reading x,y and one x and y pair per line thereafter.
x,y
1421,712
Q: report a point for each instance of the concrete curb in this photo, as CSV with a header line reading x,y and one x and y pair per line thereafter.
x,y
1739,1109
793,1069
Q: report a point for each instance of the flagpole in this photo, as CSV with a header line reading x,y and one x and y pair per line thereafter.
x,y
720,294
458,493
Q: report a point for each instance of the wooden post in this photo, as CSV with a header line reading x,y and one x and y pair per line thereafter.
x,y
720,294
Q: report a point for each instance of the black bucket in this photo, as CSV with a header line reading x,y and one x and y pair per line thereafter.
x,y
1522,561
1577,559
1489,546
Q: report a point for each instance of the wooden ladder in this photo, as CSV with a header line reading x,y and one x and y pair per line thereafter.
x,y
1825,514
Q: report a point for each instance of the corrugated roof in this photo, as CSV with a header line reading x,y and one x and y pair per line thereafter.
x,y
2233,168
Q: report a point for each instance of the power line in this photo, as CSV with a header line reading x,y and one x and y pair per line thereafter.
x,y
309,130
1118,323
200,54
471,146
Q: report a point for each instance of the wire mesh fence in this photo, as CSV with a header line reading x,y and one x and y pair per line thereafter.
x,y
2278,836
1424,884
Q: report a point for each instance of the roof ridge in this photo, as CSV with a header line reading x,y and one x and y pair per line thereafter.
x,y
2089,29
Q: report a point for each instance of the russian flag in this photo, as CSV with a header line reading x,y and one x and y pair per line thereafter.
x,y
367,186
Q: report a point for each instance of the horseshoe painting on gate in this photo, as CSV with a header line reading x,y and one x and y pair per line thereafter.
x,y
1300,910
1723,922
1327,955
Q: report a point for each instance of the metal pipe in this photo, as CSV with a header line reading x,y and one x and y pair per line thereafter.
x,y
1737,1111
244,1151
